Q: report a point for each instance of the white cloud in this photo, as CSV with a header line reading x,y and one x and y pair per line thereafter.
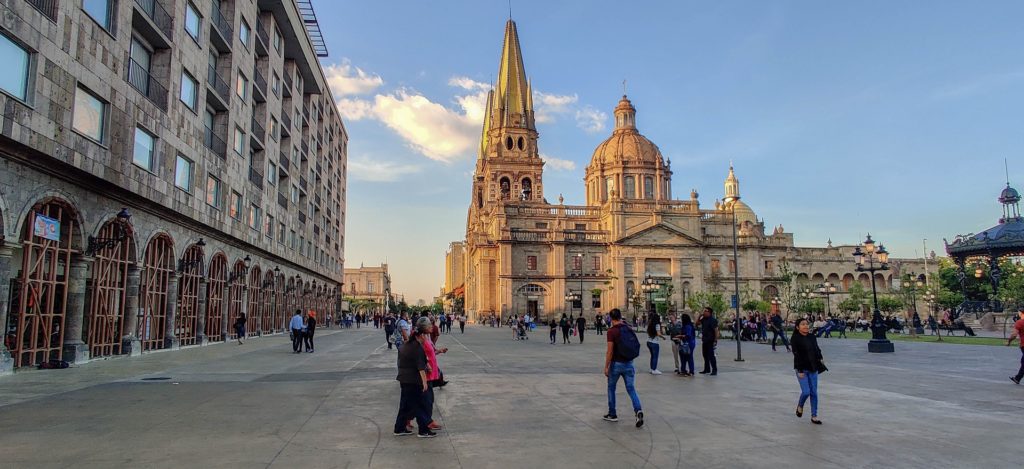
x,y
354,109
432,129
590,119
366,169
549,105
467,83
346,79
558,164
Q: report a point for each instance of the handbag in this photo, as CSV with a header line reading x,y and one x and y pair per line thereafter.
x,y
684,348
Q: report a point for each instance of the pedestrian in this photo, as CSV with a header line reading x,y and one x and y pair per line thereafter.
x,y
402,331
581,327
709,340
808,363
434,377
778,330
623,348
297,326
240,328
687,346
673,330
389,328
412,377
599,323
554,330
310,329
653,336
1018,333
564,324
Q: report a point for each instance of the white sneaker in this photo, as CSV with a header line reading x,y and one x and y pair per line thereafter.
x,y
655,372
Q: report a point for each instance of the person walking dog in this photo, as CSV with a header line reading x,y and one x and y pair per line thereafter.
x,y
808,363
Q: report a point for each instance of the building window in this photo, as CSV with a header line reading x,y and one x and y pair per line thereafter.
x,y
541,225
268,227
145,142
90,115
213,192
577,262
628,187
243,34
14,80
277,39
255,216
280,233
275,84
595,299
597,263
192,20
239,142
183,173
272,174
369,287
716,267
291,239
302,246
274,128
609,186
732,266
236,205
189,86
241,86
648,188
769,267
99,10
295,194
531,262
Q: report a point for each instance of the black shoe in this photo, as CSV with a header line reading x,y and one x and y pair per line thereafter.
x,y
426,434
1015,379
704,372
443,384
713,373
611,417
639,418
403,432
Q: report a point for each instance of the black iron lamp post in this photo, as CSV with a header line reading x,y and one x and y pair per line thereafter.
x,y
871,259
649,286
572,297
121,231
188,265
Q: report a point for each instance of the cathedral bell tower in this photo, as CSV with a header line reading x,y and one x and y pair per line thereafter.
x,y
508,166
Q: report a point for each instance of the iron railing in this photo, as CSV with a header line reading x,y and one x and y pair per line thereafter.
x,y
255,177
302,217
141,80
284,160
222,24
215,143
305,147
286,121
47,7
257,130
282,200
288,84
159,15
218,83
259,81
261,32
302,182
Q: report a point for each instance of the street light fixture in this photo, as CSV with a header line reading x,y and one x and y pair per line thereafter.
x,y
870,259
649,286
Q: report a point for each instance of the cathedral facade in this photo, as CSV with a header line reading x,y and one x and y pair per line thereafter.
x,y
523,254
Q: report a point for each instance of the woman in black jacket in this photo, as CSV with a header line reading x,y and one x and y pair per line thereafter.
x,y
808,362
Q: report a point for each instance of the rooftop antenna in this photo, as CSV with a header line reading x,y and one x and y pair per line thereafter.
x,y
1006,167
623,87
510,9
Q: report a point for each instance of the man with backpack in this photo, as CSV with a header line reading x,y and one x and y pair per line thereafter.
x,y
623,348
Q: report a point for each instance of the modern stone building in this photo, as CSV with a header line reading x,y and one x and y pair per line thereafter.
x,y
165,167
371,283
526,255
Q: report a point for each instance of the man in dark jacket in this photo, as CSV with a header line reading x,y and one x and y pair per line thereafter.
x,y
709,340
778,331
581,327
412,376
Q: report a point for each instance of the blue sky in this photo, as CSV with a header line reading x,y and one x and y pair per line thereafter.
x,y
841,117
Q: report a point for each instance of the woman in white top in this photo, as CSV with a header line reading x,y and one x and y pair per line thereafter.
x,y
653,335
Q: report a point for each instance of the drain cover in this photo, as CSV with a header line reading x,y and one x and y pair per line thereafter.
x,y
158,378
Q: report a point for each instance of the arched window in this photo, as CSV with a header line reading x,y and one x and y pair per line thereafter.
x,y
109,290
629,187
648,187
609,187
509,144
521,143
215,298
153,288
527,189
506,188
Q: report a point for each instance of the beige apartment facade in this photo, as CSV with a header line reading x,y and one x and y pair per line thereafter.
x,y
166,166
526,255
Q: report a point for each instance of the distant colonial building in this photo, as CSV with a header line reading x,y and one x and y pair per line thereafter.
x,y
524,254
166,166
369,283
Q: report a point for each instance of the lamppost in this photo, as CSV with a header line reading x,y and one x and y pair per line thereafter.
x,y
579,273
649,286
929,298
777,305
573,297
871,259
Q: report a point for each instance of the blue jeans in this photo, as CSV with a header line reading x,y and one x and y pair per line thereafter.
x,y
654,348
809,388
687,359
624,370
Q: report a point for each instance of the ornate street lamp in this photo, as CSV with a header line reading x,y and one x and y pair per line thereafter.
x,y
572,297
188,265
871,259
121,231
649,286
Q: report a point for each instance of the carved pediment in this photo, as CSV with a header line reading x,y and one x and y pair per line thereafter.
x,y
658,235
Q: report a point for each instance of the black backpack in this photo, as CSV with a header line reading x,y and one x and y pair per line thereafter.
x,y
627,347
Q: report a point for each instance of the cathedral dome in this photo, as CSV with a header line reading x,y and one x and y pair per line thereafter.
x,y
743,211
626,144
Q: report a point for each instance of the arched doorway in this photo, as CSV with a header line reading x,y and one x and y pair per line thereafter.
x,y
267,298
255,299
109,286
289,301
51,234
847,282
157,270
770,292
215,298
281,309
186,319
236,295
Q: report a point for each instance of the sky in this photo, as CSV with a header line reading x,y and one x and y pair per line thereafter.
x,y
841,118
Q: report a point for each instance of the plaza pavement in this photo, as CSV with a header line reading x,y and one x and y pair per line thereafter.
x,y
512,404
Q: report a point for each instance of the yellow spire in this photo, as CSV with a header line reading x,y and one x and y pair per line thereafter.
x,y
513,93
487,124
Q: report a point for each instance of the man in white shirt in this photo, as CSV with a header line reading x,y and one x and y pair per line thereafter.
x,y
298,326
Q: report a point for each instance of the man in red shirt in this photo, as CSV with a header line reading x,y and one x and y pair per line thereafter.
x,y
1018,333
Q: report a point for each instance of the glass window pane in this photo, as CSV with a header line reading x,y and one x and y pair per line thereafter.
x,y
14,75
144,143
241,85
213,191
243,33
183,173
192,21
239,142
99,10
88,115
188,90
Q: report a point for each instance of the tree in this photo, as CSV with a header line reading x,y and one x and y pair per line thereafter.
x,y
813,306
789,293
890,303
760,306
699,300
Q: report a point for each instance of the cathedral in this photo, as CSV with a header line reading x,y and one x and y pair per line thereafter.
x,y
523,254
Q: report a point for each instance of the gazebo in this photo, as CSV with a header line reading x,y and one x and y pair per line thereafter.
x,y
1005,240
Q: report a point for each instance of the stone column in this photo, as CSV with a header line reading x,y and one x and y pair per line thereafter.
x,y
75,349
6,252
225,303
201,313
130,343
170,337
244,310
